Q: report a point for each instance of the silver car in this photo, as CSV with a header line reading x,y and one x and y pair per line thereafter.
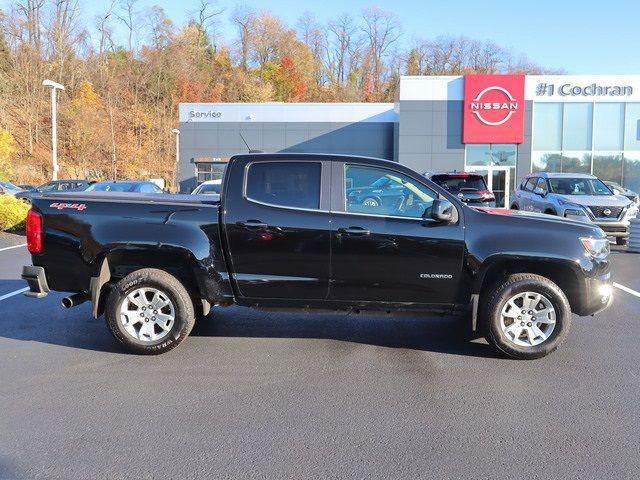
x,y
577,196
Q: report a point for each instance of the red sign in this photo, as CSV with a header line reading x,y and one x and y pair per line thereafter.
x,y
493,109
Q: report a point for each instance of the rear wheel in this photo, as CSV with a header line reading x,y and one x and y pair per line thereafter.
x,y
149,311
514,207
526,316
549,212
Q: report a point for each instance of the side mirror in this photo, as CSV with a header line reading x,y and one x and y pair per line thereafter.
x,y
539,191
616,191
441,210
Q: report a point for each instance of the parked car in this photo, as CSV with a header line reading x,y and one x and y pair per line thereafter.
x,y
71,185
470,188
618,189
577,196
125,186
210,187
282,237
8,188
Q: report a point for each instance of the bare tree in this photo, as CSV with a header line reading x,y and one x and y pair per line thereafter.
x,y
243,18
103,24
310,32
128,15
382,31
206,16
343,47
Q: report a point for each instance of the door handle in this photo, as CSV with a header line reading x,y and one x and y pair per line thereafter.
x,y
253,225
358,231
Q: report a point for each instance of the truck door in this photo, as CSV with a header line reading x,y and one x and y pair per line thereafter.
x,y
276,220
391,254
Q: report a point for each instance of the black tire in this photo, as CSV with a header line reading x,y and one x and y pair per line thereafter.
x,y
497,296
621,240
550,212
373,200
514,207
174,290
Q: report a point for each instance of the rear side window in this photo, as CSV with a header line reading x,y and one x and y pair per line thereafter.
x,y
286,184
531,184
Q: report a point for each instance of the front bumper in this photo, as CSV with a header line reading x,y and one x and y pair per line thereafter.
x,y
597,294
37,280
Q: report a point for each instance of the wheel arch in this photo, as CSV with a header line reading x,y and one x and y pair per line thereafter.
x,y
561,272
203,283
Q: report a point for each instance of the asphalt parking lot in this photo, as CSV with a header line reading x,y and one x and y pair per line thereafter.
x,y
255,395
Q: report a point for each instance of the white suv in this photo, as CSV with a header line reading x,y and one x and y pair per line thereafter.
x,y
577,196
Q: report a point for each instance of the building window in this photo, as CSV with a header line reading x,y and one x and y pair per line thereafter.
x,y
209,171
498,155
577,126
631,171
632,127
600,138
608,166
547,126
608,126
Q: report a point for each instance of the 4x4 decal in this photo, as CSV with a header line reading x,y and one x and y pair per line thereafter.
x,y
74,206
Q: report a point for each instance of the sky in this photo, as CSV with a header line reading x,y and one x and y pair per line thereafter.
x,y
580,37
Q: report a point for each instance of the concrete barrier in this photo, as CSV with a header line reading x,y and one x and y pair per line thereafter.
x,y
634,235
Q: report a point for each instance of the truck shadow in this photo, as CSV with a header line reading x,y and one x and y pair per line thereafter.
x,y
447,334
46,321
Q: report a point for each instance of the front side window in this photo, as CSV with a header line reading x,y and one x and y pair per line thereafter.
x,y
542,184
379,191
286,184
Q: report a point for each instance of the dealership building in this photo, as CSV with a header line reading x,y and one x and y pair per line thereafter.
x,y
503,126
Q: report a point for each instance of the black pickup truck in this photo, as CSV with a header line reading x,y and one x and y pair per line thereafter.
x,y
285,234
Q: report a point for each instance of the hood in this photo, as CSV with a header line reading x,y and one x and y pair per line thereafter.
x,y
595,200
533,216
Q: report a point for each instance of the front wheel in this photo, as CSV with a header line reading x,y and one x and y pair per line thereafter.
x,y
370,202
149,311
526,316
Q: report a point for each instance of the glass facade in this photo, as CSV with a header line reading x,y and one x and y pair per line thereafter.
x,y
587,137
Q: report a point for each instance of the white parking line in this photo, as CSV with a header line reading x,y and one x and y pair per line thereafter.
x,y
14,246
627,289
13,294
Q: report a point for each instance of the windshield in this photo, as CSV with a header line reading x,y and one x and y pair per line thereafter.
x,y
8,186
112,187
209,188
578,186
380,183
460,183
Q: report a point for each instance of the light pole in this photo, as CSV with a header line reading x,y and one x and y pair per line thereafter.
x,y
175,175
54,123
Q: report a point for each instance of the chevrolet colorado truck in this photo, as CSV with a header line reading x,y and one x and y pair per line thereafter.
x,y
283,235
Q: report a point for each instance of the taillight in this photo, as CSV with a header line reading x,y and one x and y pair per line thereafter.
x,y
486,195
34,232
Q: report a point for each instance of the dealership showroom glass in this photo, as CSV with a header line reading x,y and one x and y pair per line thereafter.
x,y
502,126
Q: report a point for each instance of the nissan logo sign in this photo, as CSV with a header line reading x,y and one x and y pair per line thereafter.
x,y
509,106
607,212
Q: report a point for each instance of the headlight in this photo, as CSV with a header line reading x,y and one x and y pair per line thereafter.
x,y
597,248
575,212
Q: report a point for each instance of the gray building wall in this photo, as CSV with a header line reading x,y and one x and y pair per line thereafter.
x,y
222,140
430,136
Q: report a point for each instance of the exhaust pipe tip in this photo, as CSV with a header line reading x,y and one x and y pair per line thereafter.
x,y
74,300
